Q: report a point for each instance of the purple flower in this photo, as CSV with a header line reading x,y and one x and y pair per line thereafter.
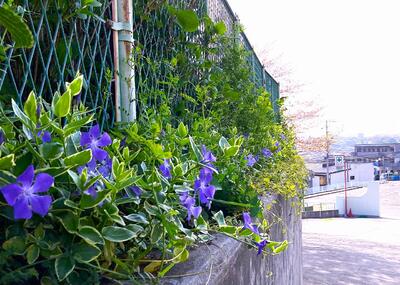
x,y
208,157
2,137
95,141
188,202
203,187
45,136
92,191
248,223
23,197
251,160
283,137
136,190
261,246
165,169
122,144
246,135
38,110
105,167
278,147
266,152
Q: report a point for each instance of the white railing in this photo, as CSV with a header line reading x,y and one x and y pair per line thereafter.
x,y
338,186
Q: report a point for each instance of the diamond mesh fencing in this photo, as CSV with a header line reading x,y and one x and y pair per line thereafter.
x,y
65,43
219,10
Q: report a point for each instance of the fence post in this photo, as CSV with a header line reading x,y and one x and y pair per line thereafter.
x,y
125,92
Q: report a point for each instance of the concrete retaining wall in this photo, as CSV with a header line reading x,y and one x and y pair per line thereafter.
x,y
225,261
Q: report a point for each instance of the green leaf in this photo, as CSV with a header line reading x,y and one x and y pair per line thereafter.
x,y
219,217
18,29
63,105
231,151
117,234
15,245
220,28
80,158
21,116
32,253
7,162
64,265
156,233
182,130
188,20
51,151
91,235
84,252
76,85
281,247
30,107
88,202
223,143
228,229
137,218
69,220
195,149
136,229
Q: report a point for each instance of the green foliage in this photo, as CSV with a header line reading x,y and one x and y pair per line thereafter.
x,y
16,27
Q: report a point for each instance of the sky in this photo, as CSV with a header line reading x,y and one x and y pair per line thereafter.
x,y
346,53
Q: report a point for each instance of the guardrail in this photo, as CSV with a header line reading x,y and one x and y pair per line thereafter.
x,y
338,186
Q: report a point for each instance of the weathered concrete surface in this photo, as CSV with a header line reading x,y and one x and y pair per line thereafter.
x,y
227,262
355,251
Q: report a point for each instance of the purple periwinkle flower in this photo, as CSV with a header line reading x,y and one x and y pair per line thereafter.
x,y
165,169
261,246
203,187
136,190
45,136
208,157
188,202
92,191
251,160
23,195
94,140
2,137
248,223
283,137
278,147
266,152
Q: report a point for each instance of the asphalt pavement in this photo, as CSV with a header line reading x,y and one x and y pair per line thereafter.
x,y
355,250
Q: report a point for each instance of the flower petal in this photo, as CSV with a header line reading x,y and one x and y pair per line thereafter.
x,y
42,183
85,139
26,178
94,131
21,208
210,192
196,211
46,138
205,175
11,193
99,153
246,219
105,140
40,204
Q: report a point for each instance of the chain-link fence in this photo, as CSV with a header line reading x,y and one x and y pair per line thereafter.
x,y
219,10
64,44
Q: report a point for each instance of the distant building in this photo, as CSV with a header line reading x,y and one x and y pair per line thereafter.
x,y
385,157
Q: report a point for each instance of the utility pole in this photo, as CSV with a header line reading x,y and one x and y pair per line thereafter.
x,y
327,153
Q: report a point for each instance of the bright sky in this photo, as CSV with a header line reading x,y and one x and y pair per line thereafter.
x,y
346,52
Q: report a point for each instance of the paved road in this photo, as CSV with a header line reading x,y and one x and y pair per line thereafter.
x,y
355,251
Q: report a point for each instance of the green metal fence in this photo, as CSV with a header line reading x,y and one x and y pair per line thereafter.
x,y
65,44
220,10
62,47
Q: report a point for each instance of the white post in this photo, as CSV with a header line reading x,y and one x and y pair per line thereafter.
x,y
125,73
